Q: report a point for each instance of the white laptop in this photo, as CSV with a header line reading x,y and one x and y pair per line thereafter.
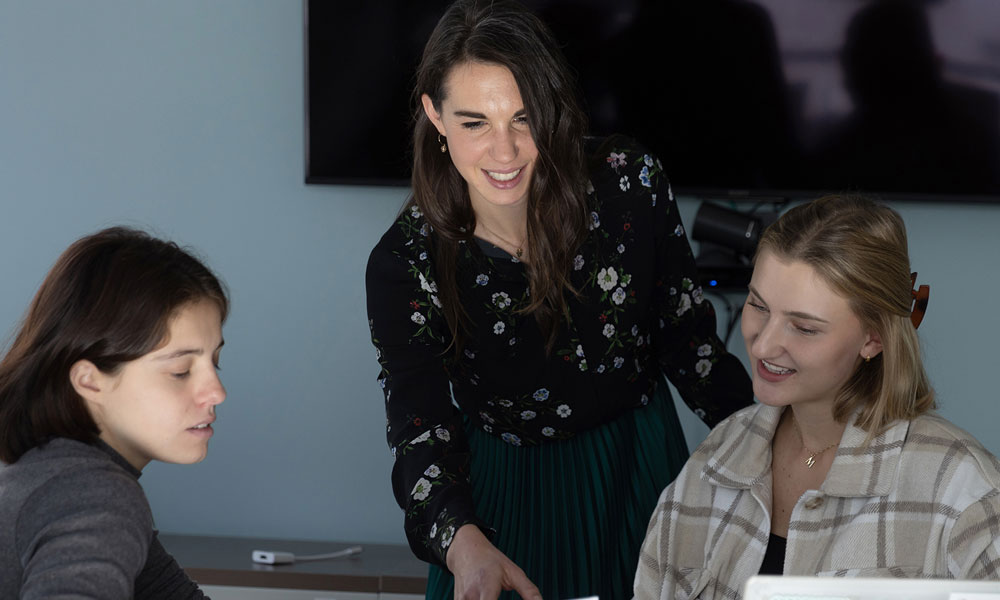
x,y
770,587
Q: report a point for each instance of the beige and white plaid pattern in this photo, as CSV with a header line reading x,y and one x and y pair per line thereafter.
x,y
922,500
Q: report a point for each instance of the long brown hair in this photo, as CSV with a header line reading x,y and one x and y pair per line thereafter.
x,y
858,247
108,299
505,33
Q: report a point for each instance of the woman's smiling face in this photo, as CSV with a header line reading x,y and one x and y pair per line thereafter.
x,y
803,339
487,132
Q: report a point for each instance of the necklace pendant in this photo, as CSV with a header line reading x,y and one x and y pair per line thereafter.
x,y
810,461
519,253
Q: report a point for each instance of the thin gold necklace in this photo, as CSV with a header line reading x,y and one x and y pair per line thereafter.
x,y
518,249
812,454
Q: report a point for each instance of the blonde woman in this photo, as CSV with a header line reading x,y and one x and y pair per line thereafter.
x,y
841,469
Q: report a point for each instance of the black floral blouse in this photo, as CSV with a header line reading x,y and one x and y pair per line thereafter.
x,y
641,314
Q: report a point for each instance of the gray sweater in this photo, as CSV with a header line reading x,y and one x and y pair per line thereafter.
x,y
75,523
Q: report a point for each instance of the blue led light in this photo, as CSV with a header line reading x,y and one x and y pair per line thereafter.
x,y
712,283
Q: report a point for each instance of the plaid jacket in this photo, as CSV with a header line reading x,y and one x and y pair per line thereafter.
x,y
923,500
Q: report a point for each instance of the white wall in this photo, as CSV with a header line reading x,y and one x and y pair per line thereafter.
x,y
186,117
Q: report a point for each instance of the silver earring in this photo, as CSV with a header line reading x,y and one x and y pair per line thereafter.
x,y
444,146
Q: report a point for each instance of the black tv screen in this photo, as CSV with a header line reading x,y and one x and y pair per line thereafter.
x,y
740,98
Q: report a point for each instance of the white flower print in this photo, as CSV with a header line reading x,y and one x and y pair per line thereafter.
x,y
501,299
609,330
548,431
625,279
434,531
435,300
583,365
487,429
425,230
442,434
621,248
623,183
423,256
653,195
590,187
578,262
423,437
498,327
505,403
432,471
415,212
679,230
446,536
705,350
512,341
618,296
700,413
428,286
619,361
482,279
684,305
644,400
670,190
418,318
510,438
595,220
563,410
541,395
703,367
639,341
648,160
697,295
635,330
607,278
421,490
673,291
486,417
579,350
528,415
601,368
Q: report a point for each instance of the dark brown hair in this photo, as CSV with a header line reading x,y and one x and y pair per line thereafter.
x,y
858,247
505,33
108,299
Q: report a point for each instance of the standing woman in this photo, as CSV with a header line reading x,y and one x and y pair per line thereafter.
x,y
525,307
114,366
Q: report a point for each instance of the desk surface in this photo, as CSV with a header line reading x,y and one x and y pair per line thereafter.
x,y
379,568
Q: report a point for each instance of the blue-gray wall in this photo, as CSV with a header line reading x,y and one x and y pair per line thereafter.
x,y
186,117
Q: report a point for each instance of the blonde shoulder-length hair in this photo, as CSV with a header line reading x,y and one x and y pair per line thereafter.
x,y
858,247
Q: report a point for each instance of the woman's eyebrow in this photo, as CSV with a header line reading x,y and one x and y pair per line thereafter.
x,y
791,313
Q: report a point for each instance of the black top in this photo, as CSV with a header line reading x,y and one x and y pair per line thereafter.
x,y
774,556
640,315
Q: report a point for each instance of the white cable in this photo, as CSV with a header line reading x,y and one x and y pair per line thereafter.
x,y
276,557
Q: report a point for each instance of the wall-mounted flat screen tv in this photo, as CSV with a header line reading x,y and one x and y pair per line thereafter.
x,y
740,98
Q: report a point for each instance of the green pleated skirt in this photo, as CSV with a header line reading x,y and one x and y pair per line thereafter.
x,y
573,513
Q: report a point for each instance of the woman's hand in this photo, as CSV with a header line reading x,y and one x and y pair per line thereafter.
x,y
481,571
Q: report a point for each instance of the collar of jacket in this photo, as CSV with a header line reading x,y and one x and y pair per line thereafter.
x,y
741,458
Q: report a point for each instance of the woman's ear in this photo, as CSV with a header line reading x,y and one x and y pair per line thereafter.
x,y
432,113
87,380
872,347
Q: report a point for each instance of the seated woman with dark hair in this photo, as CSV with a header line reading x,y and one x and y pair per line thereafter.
x,y
115,365
841,469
